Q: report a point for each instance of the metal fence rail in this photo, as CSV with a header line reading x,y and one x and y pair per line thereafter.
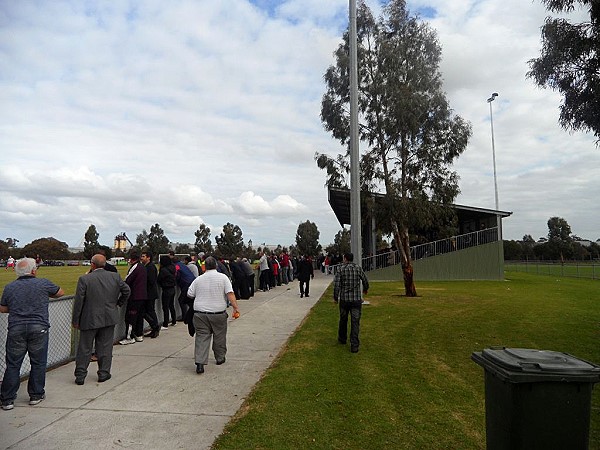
x,y
434,248
61,345
574,269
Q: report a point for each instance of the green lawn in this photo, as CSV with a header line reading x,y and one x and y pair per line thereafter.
x,y
413,384
64,276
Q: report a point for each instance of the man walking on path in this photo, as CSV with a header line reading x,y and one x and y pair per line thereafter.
x,y
347,291
95,314
26,302
305,273
211,293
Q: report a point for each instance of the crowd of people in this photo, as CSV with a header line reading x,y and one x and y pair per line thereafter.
x,y
208,287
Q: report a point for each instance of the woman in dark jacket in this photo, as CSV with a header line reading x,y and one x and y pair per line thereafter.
x,y
166,281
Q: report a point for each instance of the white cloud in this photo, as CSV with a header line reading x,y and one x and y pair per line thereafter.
x,y
126,114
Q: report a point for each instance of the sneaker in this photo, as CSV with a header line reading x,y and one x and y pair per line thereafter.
x,y
36,401
139,339
163,328
127,341
8,406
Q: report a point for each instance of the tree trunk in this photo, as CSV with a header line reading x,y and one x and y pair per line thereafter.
x,y
403,243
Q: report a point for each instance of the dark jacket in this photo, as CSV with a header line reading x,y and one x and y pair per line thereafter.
x,y
136,280
96,299
151,277
305,270
166,276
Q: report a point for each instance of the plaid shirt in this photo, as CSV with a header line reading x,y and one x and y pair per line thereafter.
x,y
346,284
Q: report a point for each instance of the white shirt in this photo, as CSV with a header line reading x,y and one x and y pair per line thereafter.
x,y
209,291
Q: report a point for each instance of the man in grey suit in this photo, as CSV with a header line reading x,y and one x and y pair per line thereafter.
x,y
95,314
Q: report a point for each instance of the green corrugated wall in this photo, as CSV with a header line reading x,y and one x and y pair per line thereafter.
x,y
484,262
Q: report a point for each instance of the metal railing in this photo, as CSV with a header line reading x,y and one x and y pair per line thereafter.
x,y
434,248
570,269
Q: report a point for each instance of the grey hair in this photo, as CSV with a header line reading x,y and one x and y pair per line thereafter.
x,y
210,263
25,266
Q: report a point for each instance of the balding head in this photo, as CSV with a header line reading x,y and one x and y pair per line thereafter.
x,y
99,261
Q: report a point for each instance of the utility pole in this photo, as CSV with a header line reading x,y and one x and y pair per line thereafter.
x,y
355,218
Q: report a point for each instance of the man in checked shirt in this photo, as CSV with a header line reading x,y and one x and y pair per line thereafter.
x,y
347,292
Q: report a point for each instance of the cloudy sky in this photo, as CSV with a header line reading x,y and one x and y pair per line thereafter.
x,y
123,114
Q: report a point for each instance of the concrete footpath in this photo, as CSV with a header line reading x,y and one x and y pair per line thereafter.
x,y
155,399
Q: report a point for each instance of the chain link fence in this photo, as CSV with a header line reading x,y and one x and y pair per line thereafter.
x,y
63,338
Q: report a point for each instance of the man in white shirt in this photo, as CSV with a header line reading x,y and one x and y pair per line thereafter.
x,y
211,293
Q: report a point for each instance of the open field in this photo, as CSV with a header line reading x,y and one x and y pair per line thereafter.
x,y
413,384
64,276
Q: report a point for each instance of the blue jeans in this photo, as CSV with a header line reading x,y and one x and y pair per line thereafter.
x,y
22,340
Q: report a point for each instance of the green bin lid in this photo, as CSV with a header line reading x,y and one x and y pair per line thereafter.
x,y
523,365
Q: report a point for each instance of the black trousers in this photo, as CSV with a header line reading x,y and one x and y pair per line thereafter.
x,y
353,310
134,309
184,301
251,284
149,313
304,287
168,305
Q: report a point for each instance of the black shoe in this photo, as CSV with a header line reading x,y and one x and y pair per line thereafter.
x,y
199,368
173,323
354,349
307,295
301,295
79,381
104,378
220,361
341,342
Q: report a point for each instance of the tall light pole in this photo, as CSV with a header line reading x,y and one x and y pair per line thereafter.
x,y
355,219
490,100
498,218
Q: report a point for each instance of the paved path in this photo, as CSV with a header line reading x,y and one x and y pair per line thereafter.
x,y
155,399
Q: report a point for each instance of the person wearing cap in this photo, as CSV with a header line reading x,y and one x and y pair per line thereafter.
x,y
212,292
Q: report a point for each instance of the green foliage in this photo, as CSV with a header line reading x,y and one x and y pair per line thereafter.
x,y
47,248
413,136
157,242
569,64
4,252
203,242
413,384
341,243
181,249
230,243
91,245
307,239
141,240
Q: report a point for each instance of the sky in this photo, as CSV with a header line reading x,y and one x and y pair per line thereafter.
x,y
130,113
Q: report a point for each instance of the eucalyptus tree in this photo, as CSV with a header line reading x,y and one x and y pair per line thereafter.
x,y
569,64
411,134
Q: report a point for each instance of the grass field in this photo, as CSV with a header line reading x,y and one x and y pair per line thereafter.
x,y
413,384
64,276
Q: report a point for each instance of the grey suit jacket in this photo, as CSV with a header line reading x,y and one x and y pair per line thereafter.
x,y
96,299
